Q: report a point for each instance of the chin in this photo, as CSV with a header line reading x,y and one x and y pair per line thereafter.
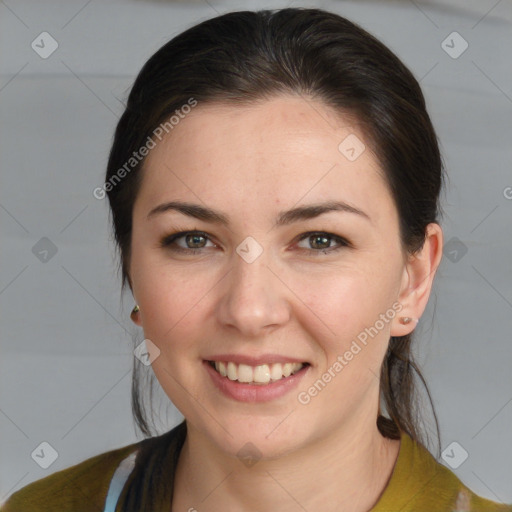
x,y
254,437
254,447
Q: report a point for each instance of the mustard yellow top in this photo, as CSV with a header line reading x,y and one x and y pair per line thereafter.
x,y
421,484
418,484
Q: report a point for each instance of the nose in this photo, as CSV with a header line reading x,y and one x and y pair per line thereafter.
x,y
253,299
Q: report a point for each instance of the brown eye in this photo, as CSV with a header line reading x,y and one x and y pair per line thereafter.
x,y
321,242
194,241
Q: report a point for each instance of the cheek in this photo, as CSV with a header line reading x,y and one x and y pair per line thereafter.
x,y
174,320
342,296
171,304
346,306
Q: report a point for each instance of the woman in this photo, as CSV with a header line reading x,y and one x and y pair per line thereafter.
x,y
274,185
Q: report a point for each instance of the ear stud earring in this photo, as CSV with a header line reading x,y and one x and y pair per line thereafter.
x,y
407,320
134,312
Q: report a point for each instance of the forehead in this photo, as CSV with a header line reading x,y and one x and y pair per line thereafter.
x,y
278,151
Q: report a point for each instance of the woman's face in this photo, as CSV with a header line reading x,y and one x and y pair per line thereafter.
x,y
257,286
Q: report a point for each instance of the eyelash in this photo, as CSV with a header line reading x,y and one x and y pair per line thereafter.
x,y
168,242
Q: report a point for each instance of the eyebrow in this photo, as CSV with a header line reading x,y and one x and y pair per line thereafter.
x,y
283,218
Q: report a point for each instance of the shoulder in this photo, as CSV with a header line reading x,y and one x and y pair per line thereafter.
x,y
420,483
447,489
82,487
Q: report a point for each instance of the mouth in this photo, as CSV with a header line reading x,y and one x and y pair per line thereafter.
x,y
260,375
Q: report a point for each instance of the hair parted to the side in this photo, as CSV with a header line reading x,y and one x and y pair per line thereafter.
x,y
245,57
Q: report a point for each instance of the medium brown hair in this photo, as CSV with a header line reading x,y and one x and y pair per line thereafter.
x,y
244,57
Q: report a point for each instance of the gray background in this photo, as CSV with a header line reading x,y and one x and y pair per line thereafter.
x,y
67,337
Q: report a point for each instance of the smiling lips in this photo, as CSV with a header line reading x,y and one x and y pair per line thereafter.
x,y
260,374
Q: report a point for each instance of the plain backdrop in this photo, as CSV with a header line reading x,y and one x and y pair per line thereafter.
x,y
66,353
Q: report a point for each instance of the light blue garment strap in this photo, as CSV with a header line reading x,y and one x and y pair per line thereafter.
x,y
118,480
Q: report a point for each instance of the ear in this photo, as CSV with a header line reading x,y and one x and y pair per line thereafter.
x,y
417,280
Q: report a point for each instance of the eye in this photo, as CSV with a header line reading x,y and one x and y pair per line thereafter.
x,y
194,242
321,241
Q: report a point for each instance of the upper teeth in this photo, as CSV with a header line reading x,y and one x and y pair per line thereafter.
x,y
261,374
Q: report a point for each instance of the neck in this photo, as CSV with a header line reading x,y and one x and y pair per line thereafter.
x,y
345,471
